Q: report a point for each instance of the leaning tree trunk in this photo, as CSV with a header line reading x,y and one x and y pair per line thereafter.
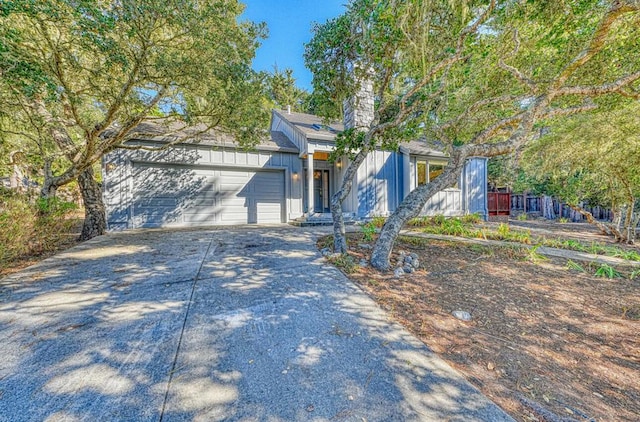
x,y
339,235
410,208
95,220
604,229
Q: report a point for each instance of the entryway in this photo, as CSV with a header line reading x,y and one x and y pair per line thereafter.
x,y
321,191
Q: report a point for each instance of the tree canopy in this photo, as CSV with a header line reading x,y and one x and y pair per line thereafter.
x,y
592,158
472,78
77,76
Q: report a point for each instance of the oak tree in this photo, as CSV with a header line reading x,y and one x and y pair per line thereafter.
x,y
480,80
78,77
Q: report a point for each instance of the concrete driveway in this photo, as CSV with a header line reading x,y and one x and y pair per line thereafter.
x,y
245,324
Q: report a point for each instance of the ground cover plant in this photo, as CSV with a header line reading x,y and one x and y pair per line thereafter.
x,y
471,227
548,340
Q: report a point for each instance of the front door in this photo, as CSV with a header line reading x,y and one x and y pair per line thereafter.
x,y
321,199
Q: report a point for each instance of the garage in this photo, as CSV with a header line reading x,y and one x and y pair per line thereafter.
x,y
166,195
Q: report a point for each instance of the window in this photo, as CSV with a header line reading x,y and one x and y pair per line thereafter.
x,y
427,171
421,172
435,170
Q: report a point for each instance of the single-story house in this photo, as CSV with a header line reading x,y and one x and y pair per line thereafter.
x,y
285,178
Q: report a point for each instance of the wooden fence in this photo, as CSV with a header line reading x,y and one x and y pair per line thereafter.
x,y
501,203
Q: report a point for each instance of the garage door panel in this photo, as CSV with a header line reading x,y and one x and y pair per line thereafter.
x,y
156,202
167,196
267,213
206,217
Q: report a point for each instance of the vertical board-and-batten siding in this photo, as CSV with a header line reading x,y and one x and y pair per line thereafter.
x,y
475,186
118,175
447,202
376,188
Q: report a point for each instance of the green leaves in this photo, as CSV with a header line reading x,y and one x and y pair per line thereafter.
x,y
80,66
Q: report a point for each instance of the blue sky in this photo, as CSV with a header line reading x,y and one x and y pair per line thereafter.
x,y
289,23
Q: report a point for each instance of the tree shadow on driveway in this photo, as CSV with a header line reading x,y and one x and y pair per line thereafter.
x,y
235,324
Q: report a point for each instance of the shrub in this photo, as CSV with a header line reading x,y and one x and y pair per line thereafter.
x,y
31,227
420,221
474,218
368,230
575,266
17,223
504,230
378,222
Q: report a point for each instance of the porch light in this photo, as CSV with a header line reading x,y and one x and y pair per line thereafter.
x,y
294,175
339,164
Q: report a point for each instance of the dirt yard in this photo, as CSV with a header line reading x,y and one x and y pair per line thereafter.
x,y
545,342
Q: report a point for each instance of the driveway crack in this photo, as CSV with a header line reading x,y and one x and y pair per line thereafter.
x,y
184,325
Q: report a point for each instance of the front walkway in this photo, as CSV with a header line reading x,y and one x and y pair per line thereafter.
x,y
236,324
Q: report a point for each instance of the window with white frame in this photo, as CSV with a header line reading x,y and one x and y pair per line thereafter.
x,y
427,171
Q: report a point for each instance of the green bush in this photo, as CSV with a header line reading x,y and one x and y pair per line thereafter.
x,y
606,270
31,227
368,230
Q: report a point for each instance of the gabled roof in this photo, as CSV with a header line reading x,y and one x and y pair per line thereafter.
x,y
421,147
313,127
198,135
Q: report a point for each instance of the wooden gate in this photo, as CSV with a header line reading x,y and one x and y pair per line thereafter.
x,y
499,203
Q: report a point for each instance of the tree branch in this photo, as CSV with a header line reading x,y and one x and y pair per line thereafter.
x,y
558,112
126,89
615,86
597,43
630,93
23,134
513,70
477,106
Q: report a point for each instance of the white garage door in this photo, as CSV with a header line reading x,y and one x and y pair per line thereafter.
x,y
167,195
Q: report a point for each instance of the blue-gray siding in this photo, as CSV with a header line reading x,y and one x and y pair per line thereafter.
x,y
475,186
187,176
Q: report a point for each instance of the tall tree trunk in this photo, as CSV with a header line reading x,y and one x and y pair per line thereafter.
x,y
95,220
49,186
547,208
628,221
410,208
339,238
